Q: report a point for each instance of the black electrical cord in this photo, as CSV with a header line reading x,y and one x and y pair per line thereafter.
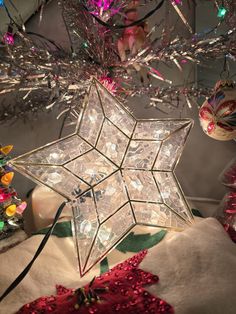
x,y
22,275
19,28
63,123
121,26
45,38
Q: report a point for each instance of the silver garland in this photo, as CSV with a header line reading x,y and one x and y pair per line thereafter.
x,y
40,78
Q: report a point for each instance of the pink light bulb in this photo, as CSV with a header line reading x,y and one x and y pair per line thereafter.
x,y
4,197
177,2
20,209
104,4
8,39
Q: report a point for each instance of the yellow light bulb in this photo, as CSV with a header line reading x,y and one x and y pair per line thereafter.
x,y
6,149
11,210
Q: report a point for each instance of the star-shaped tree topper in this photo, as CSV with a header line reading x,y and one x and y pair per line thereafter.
x,y
116,170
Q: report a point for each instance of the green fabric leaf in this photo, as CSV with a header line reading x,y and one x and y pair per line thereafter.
x,y
196,213
104,266
132,243
61,230
138,242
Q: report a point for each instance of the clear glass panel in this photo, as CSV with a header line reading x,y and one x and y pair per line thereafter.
x,y
110,232
85,224
57,153
141,186
92,167
157,130
171,193
171,149
110,195
157,215
115,112
57,178
112,142
141,154
92,118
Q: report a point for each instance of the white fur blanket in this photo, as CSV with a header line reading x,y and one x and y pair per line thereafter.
x,y
196,268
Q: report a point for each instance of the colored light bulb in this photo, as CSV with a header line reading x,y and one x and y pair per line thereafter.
x,y
6,149
7,178
8,39
4,197
104,4
11,210
20,209
85,45
2,224
177,2
2,162
221,12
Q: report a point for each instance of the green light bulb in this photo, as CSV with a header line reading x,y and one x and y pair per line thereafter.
x,y
1,225
221,12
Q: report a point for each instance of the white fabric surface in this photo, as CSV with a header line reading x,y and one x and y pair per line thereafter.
x,y
197,270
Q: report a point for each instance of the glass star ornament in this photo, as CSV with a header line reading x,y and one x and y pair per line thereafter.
x,y
116,171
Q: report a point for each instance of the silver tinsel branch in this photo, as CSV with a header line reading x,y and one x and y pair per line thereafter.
x,y
34,78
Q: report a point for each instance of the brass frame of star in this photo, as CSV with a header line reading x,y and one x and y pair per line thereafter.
x,y
116,170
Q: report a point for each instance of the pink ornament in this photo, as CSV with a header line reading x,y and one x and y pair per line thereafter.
x,y
8,39
218,113
20,209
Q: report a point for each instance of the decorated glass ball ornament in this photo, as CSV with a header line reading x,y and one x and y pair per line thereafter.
x,y
218,113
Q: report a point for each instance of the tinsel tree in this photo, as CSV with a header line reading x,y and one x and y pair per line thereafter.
x,y
111,40
11,207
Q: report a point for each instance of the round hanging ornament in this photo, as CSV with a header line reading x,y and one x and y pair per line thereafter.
x,y
218,113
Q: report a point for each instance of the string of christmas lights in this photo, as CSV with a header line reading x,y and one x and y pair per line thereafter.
x,y
11,207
